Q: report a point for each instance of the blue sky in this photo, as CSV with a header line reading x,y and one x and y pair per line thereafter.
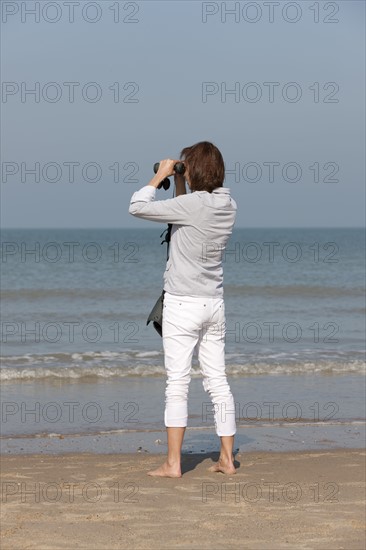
x,y
163,59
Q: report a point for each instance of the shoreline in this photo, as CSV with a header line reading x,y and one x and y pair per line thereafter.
x,y
276,500
272,413
263,437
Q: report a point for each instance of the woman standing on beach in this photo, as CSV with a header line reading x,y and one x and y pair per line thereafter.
x,y
194,309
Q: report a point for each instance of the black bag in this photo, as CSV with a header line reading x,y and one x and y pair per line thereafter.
x,y
156,314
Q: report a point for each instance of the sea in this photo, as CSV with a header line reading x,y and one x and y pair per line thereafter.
x,y
82,371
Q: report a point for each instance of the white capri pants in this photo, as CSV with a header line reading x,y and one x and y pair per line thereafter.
x,y
190,323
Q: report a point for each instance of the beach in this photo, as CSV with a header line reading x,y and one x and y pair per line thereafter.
x,y
304,500
82,390
267,222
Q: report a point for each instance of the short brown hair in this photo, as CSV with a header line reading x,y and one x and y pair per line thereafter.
x,y
205,166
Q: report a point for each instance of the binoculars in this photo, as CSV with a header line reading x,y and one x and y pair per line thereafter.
x,y
179,168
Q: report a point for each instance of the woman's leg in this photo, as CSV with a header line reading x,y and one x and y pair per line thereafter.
x,y
225,463
211,356
171,467
180,335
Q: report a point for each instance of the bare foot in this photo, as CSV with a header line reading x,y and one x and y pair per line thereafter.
x,y
223,466
166,471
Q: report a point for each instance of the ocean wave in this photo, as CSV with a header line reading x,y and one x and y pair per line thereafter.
x,y
36,294
64,357
77,372
300,291
82,372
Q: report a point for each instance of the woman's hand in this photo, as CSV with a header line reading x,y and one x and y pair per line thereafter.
x,y
166,168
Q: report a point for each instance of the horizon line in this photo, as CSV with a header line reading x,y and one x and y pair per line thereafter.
x,y
235,227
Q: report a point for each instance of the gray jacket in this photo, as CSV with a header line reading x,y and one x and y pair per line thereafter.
x,y
202,224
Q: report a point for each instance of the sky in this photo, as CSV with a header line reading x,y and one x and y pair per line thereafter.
x,y
278,87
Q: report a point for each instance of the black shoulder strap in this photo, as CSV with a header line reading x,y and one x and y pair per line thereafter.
x,y
168,231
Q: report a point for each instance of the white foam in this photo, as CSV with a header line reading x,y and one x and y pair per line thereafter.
x,y
142,354
80,371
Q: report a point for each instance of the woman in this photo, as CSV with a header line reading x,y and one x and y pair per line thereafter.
x,y
194,309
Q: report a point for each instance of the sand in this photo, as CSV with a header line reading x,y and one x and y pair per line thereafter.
x,y
302,500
